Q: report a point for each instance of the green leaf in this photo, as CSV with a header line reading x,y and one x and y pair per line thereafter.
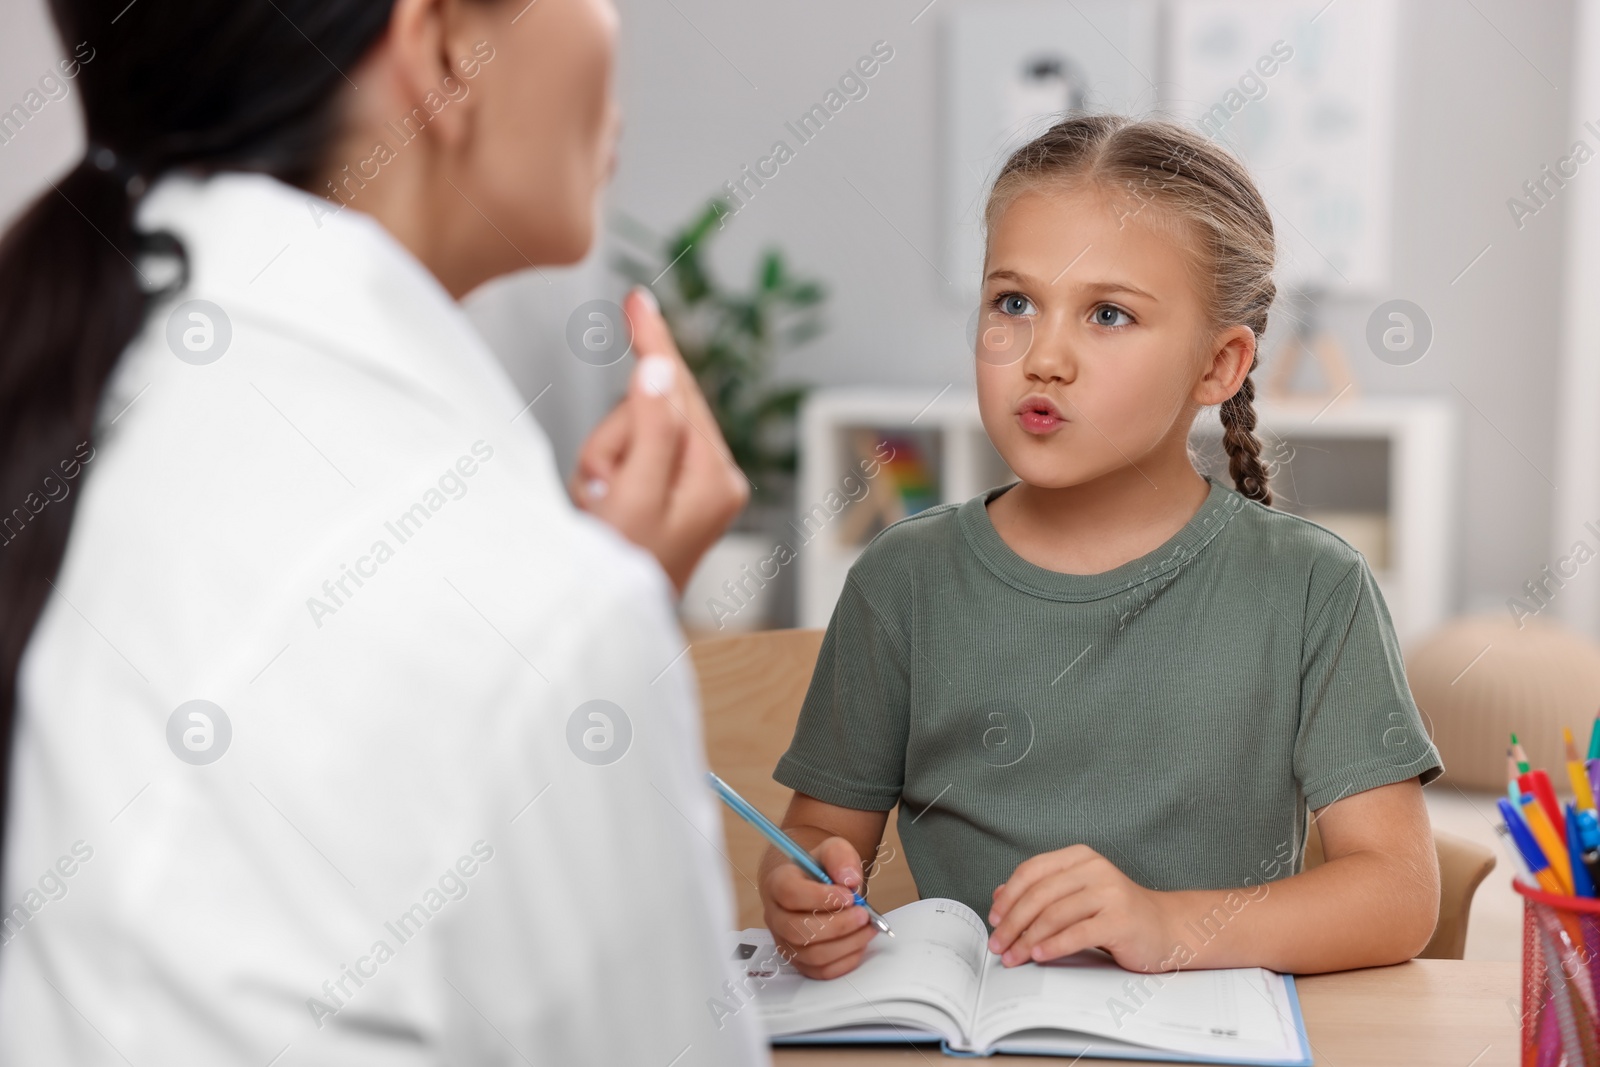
x,y
772,279
729,338
804,294
784,401
693,284
707,224
803,331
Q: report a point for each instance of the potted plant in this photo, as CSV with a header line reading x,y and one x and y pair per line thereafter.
x,y
730,338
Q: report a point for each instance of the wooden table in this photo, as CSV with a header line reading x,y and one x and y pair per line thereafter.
x,y
1449,1013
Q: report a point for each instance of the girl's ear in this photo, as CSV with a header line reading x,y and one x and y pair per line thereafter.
x,y
1232,355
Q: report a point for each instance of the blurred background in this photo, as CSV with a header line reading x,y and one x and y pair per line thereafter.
x,y
1430,384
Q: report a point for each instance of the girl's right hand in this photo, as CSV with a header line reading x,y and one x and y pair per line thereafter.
x,y
819,928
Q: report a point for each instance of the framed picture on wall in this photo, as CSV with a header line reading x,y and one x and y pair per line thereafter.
x,y
1304,92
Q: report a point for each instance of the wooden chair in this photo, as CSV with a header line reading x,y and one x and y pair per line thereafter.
x,y
751,687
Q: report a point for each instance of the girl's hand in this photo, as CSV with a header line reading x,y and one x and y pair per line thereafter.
x,y
818,927
1062,902
657,468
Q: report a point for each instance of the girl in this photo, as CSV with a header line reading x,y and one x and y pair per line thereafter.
x,y
1107,696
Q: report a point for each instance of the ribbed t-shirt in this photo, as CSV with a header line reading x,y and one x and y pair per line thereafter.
x,y
1179,714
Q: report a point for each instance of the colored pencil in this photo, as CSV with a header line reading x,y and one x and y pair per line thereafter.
x,y
787,845
1537,782
1577,774
1544,832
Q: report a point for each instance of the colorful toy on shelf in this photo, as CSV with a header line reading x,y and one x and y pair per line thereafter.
x,y
907,481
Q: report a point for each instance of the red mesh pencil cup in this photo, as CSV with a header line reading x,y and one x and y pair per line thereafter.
x,y
1560,979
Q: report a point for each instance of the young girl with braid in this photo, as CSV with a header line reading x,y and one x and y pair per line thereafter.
x,y
1110,696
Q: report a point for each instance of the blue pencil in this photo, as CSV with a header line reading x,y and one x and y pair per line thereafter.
x,y
786,844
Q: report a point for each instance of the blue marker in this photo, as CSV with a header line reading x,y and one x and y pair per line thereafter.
x,y
1589,842
1522,837
1582,884
787,844
1588,830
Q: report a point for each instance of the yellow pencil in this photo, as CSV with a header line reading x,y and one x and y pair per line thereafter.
x,y
1549,882
1576,774
1545,834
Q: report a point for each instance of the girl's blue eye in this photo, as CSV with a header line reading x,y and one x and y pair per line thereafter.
x,y
1013,304
1111,315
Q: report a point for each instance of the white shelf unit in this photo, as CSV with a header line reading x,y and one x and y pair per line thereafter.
x,y
1388,457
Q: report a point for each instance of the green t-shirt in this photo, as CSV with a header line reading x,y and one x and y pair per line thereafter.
x,y
1179,714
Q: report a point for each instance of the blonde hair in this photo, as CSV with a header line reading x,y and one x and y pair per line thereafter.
x,y
1182,177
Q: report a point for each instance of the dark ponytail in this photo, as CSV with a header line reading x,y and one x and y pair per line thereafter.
x,y
202,86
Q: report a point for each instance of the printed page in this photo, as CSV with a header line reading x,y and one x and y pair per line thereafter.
x,y
1242,1014
927,976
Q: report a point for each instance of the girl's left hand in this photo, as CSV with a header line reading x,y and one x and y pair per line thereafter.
x,y
1062,902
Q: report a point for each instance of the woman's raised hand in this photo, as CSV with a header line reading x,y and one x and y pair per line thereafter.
x,y
657,468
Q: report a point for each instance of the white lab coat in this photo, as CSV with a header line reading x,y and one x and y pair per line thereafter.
x,y
399,771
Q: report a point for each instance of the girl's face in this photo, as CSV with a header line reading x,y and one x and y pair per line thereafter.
x,y
1093,343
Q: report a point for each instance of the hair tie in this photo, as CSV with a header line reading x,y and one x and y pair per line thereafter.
x,y
106,160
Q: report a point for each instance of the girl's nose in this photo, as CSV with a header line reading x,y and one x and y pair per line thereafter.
x,y
1049,358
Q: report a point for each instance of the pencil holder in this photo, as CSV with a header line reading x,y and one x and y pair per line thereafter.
x,y
1560,978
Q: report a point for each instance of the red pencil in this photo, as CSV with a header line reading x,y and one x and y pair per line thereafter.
x,y
1537,782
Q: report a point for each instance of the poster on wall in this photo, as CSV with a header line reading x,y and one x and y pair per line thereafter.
x,y
1304,93
1011,69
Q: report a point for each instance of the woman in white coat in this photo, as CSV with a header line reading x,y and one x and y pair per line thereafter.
x,y
337,733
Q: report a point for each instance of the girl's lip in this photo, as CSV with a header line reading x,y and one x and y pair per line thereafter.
x,y
1037,422
1038,415
1040,405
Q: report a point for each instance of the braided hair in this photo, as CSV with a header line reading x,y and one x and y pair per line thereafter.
x,y
1184,177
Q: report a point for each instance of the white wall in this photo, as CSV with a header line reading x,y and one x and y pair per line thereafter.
x,y
1578,443
708,84
51,139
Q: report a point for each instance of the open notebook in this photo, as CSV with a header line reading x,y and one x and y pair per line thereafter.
x,y
936,981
